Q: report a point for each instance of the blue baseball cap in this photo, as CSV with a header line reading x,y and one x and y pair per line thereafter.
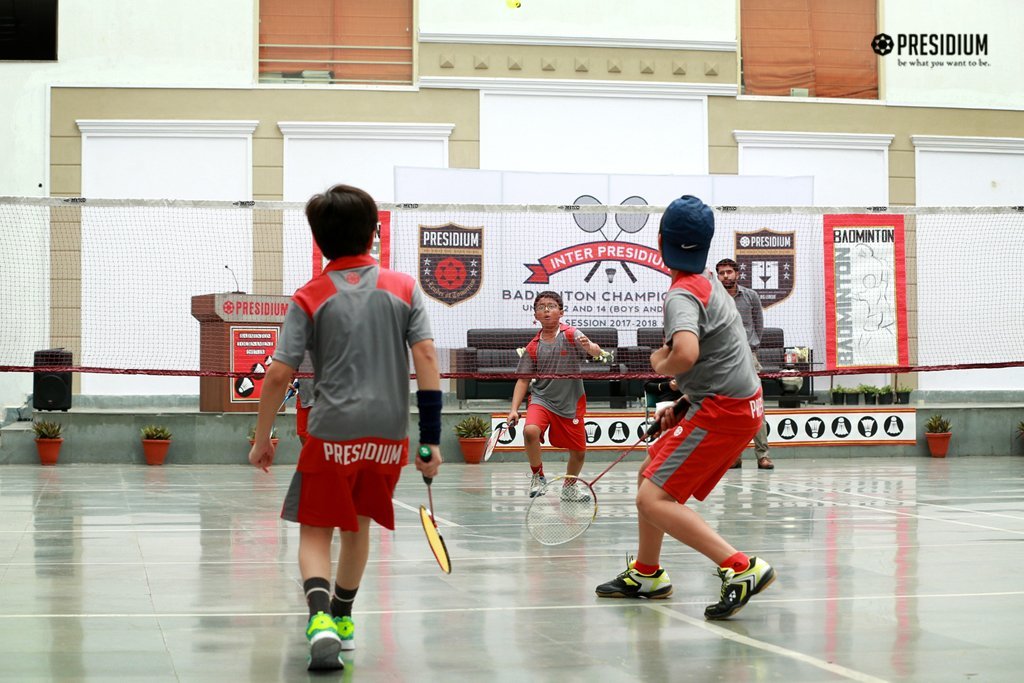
x,y
687,227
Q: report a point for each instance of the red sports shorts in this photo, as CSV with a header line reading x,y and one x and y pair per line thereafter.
x,y
337,482
691,458
563,432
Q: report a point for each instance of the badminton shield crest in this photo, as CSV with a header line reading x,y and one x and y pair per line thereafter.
x,y
451,262
767,263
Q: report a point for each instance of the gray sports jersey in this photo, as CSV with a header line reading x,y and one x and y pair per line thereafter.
x,y
357,322
724,367
748,303
556,357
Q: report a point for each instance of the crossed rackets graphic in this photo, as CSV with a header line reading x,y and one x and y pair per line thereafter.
x,y
595,222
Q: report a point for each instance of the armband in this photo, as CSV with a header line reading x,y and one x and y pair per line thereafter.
x,y
429,402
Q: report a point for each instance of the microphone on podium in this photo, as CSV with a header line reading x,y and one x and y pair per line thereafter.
x,y
237,290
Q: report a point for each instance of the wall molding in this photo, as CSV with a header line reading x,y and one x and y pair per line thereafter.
x,y
165,128
956,143
805,140
578,41
346,130
571,87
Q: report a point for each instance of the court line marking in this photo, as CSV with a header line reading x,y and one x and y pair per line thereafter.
x,y
888,511
416,510
617,604
725,633
897,501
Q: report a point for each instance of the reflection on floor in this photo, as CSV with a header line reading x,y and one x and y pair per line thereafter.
x,y
888,570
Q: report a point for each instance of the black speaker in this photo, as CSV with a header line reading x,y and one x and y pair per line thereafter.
x,y
51,390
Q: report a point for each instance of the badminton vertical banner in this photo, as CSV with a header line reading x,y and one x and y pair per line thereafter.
x,y
865,291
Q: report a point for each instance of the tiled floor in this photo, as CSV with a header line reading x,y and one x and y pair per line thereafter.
x,y
888,570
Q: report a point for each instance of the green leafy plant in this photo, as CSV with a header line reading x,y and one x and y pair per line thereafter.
x,y
1020,429
868,390
937,424
252,433
887,389
47,430
156,432
903,389
472,427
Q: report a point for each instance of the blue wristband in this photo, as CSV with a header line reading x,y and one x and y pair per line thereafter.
x,y
429,402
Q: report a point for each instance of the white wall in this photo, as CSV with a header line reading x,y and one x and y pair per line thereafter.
x,y
996,85
954,171
593,133
664,20
119,42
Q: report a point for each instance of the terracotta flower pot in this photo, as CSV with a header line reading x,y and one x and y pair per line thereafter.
x,y
155,450
48,450
473,449
938,443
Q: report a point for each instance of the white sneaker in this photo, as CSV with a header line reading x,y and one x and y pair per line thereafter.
x,y
537,482
574,493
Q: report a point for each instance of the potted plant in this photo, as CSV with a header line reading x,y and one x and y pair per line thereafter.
x,y
472,432
937,431
273,435
156,439
1020,430
852,396
48,440
885,395
903,394
838,396
870,393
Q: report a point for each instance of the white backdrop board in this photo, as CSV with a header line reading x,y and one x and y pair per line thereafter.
x,y
126,290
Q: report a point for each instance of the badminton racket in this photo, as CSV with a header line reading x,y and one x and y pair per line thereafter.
x,y
293,389
631,223
566,506
496,436
434,539
590,222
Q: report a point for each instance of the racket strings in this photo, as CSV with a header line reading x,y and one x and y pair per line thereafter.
x,y
563,509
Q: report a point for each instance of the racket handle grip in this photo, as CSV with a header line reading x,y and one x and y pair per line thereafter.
x,y
680,407
425,457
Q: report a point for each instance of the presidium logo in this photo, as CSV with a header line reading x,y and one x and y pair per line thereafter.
x,y
451,260
957,49
767,263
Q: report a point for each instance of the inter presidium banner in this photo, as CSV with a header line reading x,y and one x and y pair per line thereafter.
x,y
865,291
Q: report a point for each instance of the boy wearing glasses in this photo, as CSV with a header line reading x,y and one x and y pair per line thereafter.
x,y
558,405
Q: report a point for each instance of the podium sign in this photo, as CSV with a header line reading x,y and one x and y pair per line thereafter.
x,y
252,349
237,336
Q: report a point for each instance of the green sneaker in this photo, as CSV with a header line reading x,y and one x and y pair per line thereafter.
x,y
633,584
324,643
739,587
347,631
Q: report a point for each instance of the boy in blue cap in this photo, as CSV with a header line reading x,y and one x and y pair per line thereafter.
x,y
706,352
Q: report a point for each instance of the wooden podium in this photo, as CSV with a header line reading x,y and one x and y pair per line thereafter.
x,y
237,334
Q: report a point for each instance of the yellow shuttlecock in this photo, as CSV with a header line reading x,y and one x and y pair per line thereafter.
x,y
513,4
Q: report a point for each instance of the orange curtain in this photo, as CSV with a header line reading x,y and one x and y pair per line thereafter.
x,y
821,45
356,25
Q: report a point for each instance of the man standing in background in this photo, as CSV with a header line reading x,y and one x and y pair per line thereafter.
x,y
748,303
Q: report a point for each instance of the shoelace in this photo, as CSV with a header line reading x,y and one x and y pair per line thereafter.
x,y
629,567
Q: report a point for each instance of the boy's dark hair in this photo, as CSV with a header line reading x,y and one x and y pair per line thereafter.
x,y
547,294
343,220
727,262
